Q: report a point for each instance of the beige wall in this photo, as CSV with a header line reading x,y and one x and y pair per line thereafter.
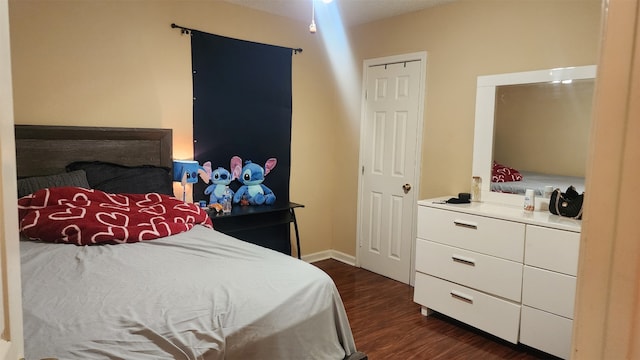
x,y
11,334
466,39
544,127
607,309
120,64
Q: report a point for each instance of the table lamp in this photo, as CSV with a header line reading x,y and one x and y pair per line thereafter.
x,y
185,172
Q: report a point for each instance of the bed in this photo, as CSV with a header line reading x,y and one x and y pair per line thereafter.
x,y
537,182
506,179
193,294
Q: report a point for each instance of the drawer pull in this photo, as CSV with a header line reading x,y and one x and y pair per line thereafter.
x,y
460,296
464,224
463,260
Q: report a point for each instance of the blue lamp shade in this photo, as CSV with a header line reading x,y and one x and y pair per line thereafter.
x,y
186,170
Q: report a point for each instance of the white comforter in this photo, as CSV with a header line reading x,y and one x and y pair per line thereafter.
x,y
195,295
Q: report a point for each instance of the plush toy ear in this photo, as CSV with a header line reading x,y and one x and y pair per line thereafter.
x,y
269,165
236,167
205,172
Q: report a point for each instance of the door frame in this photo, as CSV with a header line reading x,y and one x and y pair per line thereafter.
x,y
421,56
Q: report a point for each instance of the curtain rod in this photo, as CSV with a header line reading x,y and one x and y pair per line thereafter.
x,y
187,31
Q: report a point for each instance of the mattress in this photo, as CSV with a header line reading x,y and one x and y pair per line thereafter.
x,y
195,295
537,182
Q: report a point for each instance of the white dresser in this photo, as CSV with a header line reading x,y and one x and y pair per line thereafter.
x,y
499,269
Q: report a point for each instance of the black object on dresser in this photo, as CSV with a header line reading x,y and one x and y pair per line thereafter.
x,y
264,225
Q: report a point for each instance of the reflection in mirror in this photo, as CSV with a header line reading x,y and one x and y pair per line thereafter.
x,y
532,129
542,131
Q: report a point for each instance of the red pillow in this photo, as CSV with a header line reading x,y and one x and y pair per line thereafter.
x,y
501,173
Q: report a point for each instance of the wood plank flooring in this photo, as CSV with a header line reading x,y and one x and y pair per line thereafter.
x,y
387,324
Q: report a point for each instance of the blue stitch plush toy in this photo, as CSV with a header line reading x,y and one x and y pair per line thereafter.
x,y
252,191
220,179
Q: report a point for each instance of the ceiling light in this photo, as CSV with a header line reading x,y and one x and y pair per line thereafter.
x,y
312,26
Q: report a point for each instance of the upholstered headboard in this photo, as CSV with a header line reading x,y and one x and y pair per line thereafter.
x,y
46,150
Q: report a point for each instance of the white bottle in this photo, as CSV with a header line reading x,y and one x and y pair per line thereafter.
x,y
476,188
529,200
226,201
542,204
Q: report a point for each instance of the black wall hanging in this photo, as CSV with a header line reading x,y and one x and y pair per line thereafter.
x,y
241,107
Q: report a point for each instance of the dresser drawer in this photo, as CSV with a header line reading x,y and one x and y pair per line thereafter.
x,y
495,316
482,272
552,249
549,291
547,332
489,236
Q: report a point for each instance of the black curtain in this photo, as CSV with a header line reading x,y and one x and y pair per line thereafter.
x,y
242,106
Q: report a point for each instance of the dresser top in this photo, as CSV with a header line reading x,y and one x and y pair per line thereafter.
x,y
507,212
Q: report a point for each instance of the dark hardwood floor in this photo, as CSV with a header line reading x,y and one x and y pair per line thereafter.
x,y
387,324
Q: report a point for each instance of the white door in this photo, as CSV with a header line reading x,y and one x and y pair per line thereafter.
x,y
390,161
11,341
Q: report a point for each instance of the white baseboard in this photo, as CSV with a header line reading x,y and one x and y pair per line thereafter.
x,y
330,254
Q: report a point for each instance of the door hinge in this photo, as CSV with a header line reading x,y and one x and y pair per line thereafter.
x,y
362,173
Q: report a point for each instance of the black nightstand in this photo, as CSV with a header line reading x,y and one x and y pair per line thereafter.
x,y
264,225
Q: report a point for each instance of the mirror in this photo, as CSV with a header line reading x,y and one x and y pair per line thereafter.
x,y
534,122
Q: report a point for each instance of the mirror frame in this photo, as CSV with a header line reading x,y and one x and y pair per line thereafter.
x,y
485,111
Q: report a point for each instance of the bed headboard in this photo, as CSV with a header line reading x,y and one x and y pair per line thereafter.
x,y
46,150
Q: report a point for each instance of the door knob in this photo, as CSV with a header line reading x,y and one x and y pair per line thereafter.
x,y
406,188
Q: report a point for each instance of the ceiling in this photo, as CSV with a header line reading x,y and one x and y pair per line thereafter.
x,y
353,12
